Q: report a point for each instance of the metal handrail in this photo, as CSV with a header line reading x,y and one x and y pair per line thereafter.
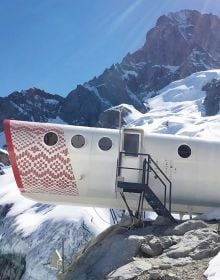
x,y
162,182
149,161
160,170
170,184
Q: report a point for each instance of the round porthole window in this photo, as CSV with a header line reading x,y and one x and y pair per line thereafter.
x,y
105,143
50,138
184,151
78,141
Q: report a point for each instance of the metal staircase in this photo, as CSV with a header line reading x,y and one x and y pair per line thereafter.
x,y
144,189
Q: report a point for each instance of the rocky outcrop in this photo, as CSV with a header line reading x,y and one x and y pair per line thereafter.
x,y
30,105
115,249
157,252
181,36
12,266
4,157
212,99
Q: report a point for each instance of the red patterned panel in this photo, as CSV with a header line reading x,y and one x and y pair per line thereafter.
x,y
40,168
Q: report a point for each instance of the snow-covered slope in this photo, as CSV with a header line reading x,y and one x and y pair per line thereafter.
x,y
178,109
35,231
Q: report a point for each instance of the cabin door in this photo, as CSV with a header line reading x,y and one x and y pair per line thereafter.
x,y
131,146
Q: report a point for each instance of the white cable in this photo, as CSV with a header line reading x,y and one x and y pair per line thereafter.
x,y
101,217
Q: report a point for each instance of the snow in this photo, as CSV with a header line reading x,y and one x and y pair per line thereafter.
x,y
172,68
128,73
37,230
213,271
178,109
132,95
134,114
95,90
3,151
198,58
179,17
51,101
211,216
17,107
30,220
57,120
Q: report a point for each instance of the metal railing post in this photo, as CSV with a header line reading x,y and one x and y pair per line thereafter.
x,y
144,171
147,167
170,198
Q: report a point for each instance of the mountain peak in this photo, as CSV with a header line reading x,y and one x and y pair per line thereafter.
x,y
186,17
180,44
183,16
175,36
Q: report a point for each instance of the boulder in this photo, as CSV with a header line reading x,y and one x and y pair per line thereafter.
x,y
152,246
130,271
186,226
197,244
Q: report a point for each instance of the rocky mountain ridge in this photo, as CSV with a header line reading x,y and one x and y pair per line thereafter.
x,y
30,105
157,252
180,44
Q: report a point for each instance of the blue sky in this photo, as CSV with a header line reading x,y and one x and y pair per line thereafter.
x,y
56,44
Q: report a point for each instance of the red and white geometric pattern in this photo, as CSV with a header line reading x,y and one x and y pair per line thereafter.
x,y
42,168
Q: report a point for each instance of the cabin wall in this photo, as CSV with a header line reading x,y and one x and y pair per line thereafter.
x,y
86,176
195,179
94,168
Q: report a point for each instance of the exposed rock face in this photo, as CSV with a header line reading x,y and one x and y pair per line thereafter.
x,y
181,43
148,254
4,158
115,249
180,37
12,266
212,99
30,105
82,107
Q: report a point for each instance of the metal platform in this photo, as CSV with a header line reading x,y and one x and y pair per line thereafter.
x,y
144,189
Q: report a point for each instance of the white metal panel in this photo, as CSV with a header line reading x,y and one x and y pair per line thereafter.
x,y
103,165
195,179
94,169
80,157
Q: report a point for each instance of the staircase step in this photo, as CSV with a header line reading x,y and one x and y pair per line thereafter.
x,y
149,195
156,204
127,186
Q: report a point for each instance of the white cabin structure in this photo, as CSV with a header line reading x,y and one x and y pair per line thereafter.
x,y
63,164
